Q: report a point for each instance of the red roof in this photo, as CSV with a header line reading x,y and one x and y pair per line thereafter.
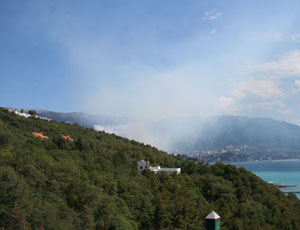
x,y
40,135
67,138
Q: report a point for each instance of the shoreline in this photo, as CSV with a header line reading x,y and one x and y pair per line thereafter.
x,y
254,161
278,171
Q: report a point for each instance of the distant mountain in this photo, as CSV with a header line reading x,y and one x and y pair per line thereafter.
x,y
244,134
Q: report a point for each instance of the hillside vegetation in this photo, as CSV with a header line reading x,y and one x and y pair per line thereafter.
x,y
92,183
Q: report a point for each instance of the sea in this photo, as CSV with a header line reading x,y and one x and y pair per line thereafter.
x,y
277,171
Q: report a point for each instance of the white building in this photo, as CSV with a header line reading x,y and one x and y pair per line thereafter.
x,y
142,165
27,115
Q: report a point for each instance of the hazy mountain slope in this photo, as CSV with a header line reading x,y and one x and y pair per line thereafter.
x,y
265,133
194,135
83,119
186,135
93,183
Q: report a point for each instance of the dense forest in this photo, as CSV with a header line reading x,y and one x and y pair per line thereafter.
x,y
92,183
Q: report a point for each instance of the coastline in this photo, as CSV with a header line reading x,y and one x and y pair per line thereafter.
x,y
235,162
278,171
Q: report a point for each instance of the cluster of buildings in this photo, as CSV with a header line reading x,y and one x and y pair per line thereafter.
x,y
40,135
27,115
36,134
142,165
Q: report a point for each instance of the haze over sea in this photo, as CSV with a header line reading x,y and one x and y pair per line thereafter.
x,y
281,171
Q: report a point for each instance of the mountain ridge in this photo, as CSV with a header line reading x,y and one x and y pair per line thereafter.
x,y
251,135
263,138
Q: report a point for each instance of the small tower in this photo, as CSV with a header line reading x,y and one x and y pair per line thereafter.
x,y
142,165
212,221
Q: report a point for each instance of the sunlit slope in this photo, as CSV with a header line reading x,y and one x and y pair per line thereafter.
x,y
92,183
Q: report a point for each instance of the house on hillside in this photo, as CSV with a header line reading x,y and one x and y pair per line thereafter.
x,y
26,115
40,135
142,165
67,138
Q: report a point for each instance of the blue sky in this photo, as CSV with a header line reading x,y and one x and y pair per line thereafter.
x,y
153,59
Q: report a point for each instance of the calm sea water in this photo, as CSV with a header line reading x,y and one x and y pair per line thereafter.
x,y
281,172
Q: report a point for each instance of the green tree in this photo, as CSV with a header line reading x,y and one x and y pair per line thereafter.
x,y
32,112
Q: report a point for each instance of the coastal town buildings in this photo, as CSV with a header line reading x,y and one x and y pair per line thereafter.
x,y
142,165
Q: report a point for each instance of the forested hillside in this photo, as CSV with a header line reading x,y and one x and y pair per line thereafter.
x,y
92,183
